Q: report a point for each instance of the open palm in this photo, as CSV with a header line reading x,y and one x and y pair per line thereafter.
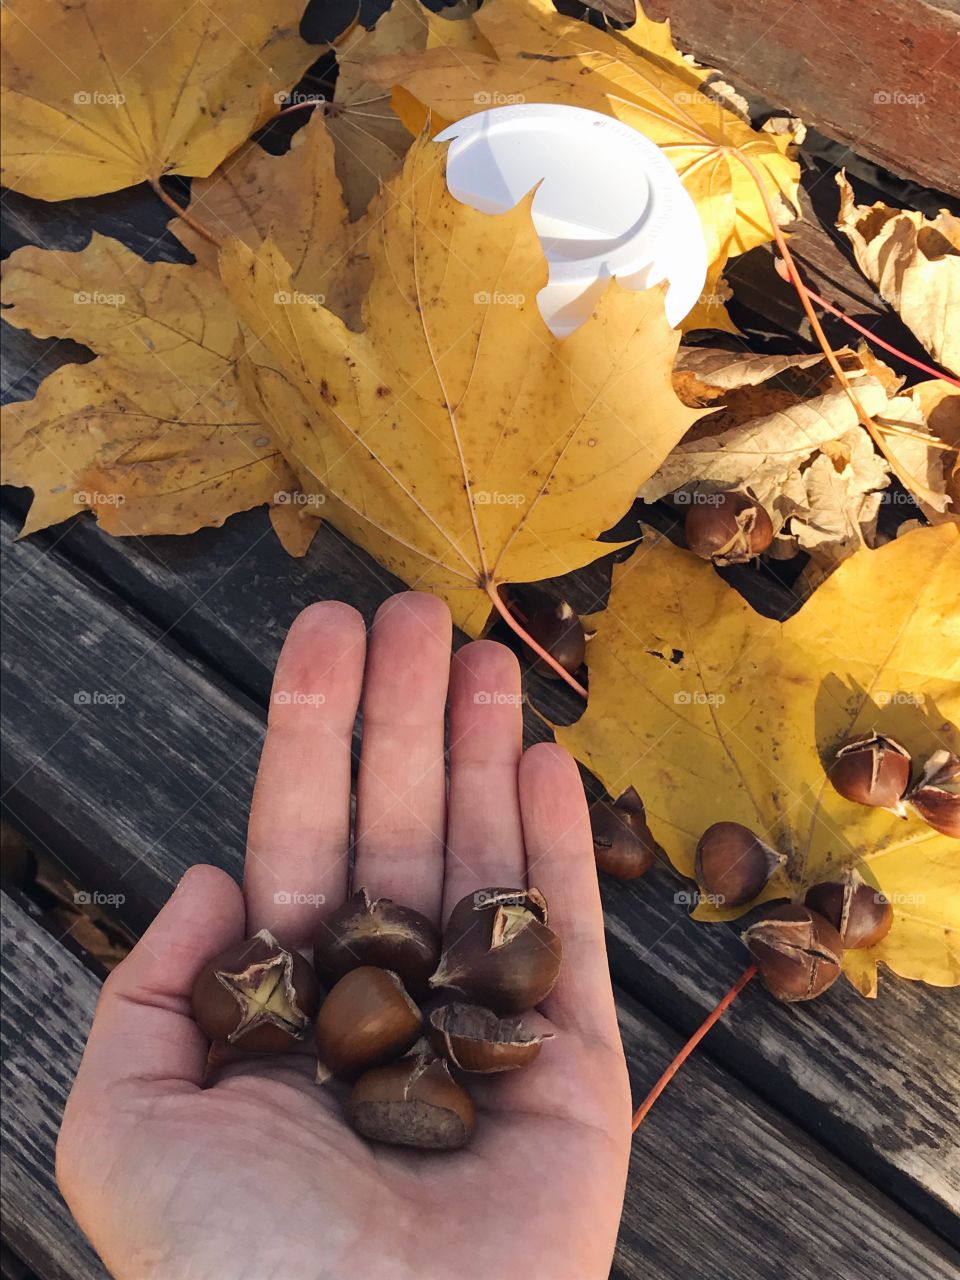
x,y
247,1171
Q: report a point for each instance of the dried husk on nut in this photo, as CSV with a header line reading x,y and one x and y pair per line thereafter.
x,y
873,770
623,844
475,1039
798,953
499,951
367,1019
859,912
379,932
730,529
936,797
256,995
412,1103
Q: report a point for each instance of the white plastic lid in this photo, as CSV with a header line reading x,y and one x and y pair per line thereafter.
x,y
609,203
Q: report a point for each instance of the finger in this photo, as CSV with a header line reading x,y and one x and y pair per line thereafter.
x,y
401,804
560,863
143,1029
484,831
299,833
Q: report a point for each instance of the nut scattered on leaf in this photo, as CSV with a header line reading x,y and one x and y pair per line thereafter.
x,y
256,995
733,865
412,1103
499,951
475,1039
797,952
859,913
872,770
936,797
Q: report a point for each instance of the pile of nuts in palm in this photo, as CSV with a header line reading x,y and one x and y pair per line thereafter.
x,y
407,1017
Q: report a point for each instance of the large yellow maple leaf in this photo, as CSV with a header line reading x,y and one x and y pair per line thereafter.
x,y
454,437
100,95
636,75
714,713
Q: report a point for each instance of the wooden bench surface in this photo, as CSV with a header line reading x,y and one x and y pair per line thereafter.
x,y
817,1141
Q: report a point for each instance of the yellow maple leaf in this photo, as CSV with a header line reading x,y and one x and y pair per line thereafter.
x,y
99,96
294,199
370,138
153,436
714,713
635,75
455,438
915,263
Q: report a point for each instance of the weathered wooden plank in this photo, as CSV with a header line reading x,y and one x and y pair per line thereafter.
x,y
102,758
881,76
48,1000
700,1167
873,1080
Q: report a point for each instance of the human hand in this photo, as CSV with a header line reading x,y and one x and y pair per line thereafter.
x,y
251,1173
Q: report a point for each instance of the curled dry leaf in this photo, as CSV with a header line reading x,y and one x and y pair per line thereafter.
x,y
915,263
788,433
454,437
539,55
740,727
96,99
929,409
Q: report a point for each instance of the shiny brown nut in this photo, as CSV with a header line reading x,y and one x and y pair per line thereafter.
x,y
798,953
256,995
499,951
475,1039
559,631
872,770
367,1019
381,933
623,844
733,865
412,1103
727,528
860,913
936,797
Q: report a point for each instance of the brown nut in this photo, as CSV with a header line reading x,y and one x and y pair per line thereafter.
x,y
367,1019
379,933
560,632
475,1039
860,913
727,528
256,995
797,951
412,1103
498,950
733,865
872,770
622,842
936,797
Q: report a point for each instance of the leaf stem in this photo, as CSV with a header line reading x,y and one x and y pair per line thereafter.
x,y
714,1016
185,215
528,640
887,346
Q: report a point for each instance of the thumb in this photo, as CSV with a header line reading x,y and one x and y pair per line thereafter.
x,y
143,1029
